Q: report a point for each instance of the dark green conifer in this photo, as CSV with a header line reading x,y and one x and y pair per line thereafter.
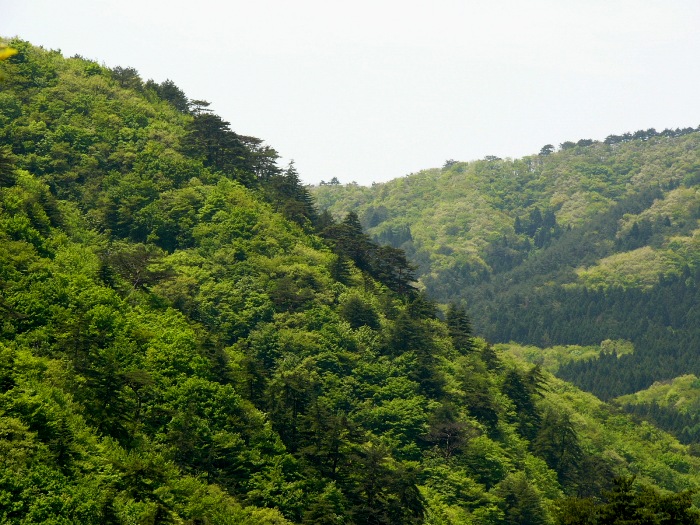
x,y
460,327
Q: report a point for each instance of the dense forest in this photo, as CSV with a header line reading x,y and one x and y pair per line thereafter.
x,y
185,338
591,241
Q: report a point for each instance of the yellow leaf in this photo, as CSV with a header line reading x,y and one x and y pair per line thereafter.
x,y
7,52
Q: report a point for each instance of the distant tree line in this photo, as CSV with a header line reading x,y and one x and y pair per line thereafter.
x,y
642,135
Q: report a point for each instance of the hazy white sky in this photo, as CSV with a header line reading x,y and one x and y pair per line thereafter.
x,y
372,90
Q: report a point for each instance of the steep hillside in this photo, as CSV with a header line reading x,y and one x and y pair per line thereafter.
x,y
184,340
595,241
672,405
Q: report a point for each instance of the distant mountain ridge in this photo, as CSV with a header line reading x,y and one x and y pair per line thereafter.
x,y
595,241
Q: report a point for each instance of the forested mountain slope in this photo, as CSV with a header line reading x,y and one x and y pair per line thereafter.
x,y
595,241
183,339
673,405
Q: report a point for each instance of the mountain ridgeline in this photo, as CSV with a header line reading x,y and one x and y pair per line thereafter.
x,y
186,339
590,242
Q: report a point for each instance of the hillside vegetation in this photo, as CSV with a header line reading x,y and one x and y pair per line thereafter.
x,y
184,339
673,405
594,241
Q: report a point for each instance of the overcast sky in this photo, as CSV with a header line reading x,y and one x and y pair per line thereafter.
x,y
373,90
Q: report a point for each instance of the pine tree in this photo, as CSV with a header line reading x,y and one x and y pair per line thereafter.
x,y
390,267
460,327
7,177
350,241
